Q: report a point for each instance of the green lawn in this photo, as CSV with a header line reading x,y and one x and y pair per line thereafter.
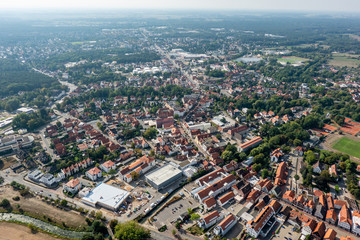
x,y
346,145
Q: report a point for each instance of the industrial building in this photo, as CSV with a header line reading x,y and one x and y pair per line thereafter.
x,y
164,177
105,196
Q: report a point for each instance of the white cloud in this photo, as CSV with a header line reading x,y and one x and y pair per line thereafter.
x,y
310,5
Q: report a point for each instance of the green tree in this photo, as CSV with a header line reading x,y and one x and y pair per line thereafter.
x,y
131,231
264,173
194,216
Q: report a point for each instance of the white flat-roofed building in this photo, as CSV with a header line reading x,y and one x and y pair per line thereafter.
x,y
105,196
164,177
15,142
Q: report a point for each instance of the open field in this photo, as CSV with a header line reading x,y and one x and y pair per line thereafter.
x,y
292,59
344,60
41,210
16,231
349,146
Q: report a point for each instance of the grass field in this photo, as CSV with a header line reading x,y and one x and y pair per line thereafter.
x,y
349,146
293,59
344,60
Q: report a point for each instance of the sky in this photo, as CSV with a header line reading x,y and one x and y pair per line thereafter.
x,y
270,5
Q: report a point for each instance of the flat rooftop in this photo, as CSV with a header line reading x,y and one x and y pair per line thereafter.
x,y
163,174
105,194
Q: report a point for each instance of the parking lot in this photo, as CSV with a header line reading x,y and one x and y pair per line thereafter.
x,y
286,232
174,210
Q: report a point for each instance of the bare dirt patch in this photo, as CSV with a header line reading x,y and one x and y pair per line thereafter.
x,y
6,162
11,231
41,209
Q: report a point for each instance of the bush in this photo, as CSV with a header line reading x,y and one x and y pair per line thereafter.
x,y
5,203
16,198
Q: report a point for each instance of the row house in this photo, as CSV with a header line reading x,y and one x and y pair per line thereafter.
x,y
309,207
254,227
76,167
216,188
226,198
309,227
356,222
330,234
242,189
331,216
281,174
319,231
345,220
320,211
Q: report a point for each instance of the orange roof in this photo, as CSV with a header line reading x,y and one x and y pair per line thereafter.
x,y
320,229
226,222
311,224
251,142
210,202
73,183
211,216
289,195
345,215
330,234
275,205
331,214
261,219
108,164
94,171
346,238
227,197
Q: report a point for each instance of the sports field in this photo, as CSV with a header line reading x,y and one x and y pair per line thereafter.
x,y
349,146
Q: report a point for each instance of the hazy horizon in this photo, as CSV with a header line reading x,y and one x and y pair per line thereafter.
x,y
212,5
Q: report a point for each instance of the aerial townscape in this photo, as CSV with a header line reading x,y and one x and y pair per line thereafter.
x,y
176,125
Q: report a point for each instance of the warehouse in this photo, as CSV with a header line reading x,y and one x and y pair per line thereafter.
x,y
164,177
106,196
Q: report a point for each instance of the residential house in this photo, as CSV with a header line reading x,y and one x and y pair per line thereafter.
x,y
253,196
226,198
299,151
107,166
289,196
330,234
319,231
209,220
254,227
276,155
356,222
276,190
345,220
320,211
309,207
209,204
331,216
73,186
139,167
317,167
94,174
309,227
281,174
216,188
225,225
